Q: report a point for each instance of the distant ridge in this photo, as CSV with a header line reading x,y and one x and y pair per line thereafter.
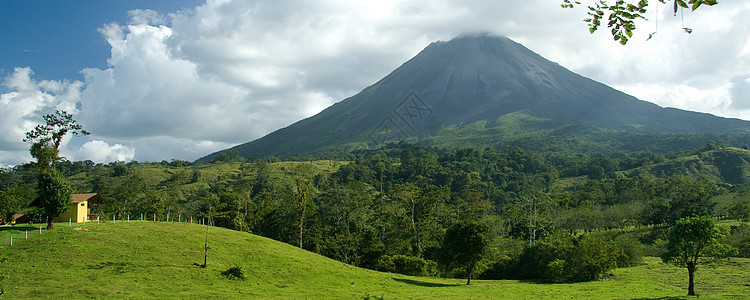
x,y
506,92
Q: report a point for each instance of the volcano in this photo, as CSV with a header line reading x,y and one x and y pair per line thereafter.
x,y
483,90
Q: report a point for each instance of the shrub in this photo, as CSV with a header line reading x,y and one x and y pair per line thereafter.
x,y
407,265
591,258
740,239
632,251
234,272
562,258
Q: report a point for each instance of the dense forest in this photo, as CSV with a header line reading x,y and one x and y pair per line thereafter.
x,y
544,215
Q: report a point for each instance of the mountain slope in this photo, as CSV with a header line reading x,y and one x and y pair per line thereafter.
x,y
471,79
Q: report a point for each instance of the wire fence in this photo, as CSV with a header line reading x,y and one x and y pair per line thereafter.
x,y
11,234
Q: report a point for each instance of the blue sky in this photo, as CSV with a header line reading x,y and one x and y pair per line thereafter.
x,y
59,38
161,80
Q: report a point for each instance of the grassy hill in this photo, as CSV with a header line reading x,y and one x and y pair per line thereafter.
x,y
727,164
155,260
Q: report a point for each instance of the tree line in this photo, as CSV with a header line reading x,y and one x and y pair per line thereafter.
x,y
536,215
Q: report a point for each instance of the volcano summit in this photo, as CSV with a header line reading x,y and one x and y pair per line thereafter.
x,y
482,90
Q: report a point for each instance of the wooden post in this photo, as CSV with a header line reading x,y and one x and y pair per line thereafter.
x,y
191,219
154,217
128,218
113,219
141,217
70,222
97,220
40,229
11,240
27,234
167,217
179,218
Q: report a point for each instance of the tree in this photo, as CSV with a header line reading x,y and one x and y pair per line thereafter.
x,y
464,246
12,201
46,139
305,191
52,191
689,240
54,195
622,16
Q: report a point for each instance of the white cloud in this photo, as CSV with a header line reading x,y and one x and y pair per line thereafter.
x,y
101,152
195,81
23,106
740,91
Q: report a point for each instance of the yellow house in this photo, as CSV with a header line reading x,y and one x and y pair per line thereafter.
x,y
79,208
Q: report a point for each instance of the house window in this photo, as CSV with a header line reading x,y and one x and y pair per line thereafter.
x,y
81,204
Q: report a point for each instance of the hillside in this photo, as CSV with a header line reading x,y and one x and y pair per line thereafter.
x,y
480,91
155,260
728,165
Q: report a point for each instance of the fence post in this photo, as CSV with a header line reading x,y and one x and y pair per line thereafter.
x,y
128,218
70,222
40,229
27,234
154,217
113,219
11,240
167,217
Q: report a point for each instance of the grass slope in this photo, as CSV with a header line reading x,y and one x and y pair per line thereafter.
x,y
155,260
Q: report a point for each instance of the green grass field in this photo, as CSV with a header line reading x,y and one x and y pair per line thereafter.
x,y
156,260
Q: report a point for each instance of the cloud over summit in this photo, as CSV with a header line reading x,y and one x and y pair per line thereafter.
x,y
182,84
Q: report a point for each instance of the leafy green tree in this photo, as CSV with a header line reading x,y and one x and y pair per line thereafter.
x,y
622,15
46,139
53,192
54,195
691,239
464,246
740,210
12,201
304,192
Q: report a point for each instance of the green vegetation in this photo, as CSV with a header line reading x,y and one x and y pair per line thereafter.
x,y
52,191
622,15
692,239
155,260
544,216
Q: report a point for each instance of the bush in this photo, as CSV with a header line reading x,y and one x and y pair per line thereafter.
x,y
591,258
632,251
234,273
407,265
740,239
562,258
556,271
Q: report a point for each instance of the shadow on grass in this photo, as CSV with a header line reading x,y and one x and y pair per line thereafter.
x,y
20,228
116,267
422,283
122,267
